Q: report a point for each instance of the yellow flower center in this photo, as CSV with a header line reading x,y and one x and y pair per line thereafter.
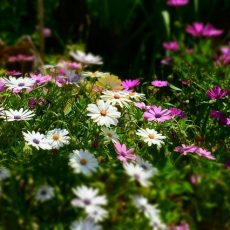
x,y
83,161
103,112
116,96
151,136
56,136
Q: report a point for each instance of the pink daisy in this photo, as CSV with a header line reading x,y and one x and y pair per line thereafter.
x,y
123,153
177,3
171,46
156,113
159,83
216,92
130,84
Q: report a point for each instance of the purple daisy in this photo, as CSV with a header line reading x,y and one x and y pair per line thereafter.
x,y
216,92
123,153
159,83
130,84
156,113
171,46
177,3
175,112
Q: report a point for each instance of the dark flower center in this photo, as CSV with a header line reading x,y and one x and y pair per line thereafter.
x,y
17,117
86,201
83,161
43,192
21,84
36,141
157,115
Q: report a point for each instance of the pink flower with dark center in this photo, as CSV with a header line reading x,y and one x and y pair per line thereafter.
x,y
130,84
171,46
124,154
156,113
185,149
177,3
41,79
159,83
216,92
198,29
175,112
60,81
215,114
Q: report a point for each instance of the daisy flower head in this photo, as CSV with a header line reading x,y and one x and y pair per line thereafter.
x,y
217,92
146,165
177,3
130,84
37,140
82,161
142,106
136,96
124,154
18,115
171,46
175,112
87,198
151,136
2,85
16,85
109,82
137,174
96,213
110,134
4,173
44,193
84,225
159,83
120,98
96,74
156,113
41,79
103,113
57,138
87,59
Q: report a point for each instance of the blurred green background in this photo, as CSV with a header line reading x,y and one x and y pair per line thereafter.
x,y
128,34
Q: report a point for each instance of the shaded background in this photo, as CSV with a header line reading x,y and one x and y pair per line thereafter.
x,y
128,34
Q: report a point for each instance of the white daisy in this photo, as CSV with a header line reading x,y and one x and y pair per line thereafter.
x,y
18,84
120,98
1,111
138,174
36,139
83,162
17,115
150,211
136,96
4,173
96,213
57,138
44,193
110,134
103,113
95,74
84,225
88,59
151,137
145,165
87,198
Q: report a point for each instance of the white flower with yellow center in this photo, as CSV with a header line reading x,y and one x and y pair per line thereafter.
x,y
151,137
96,74
136,96
103,113
120,98
83,162
110,134
57,138
17,115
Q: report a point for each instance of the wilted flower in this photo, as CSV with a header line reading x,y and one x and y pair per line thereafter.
x,y
110,134
109,82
